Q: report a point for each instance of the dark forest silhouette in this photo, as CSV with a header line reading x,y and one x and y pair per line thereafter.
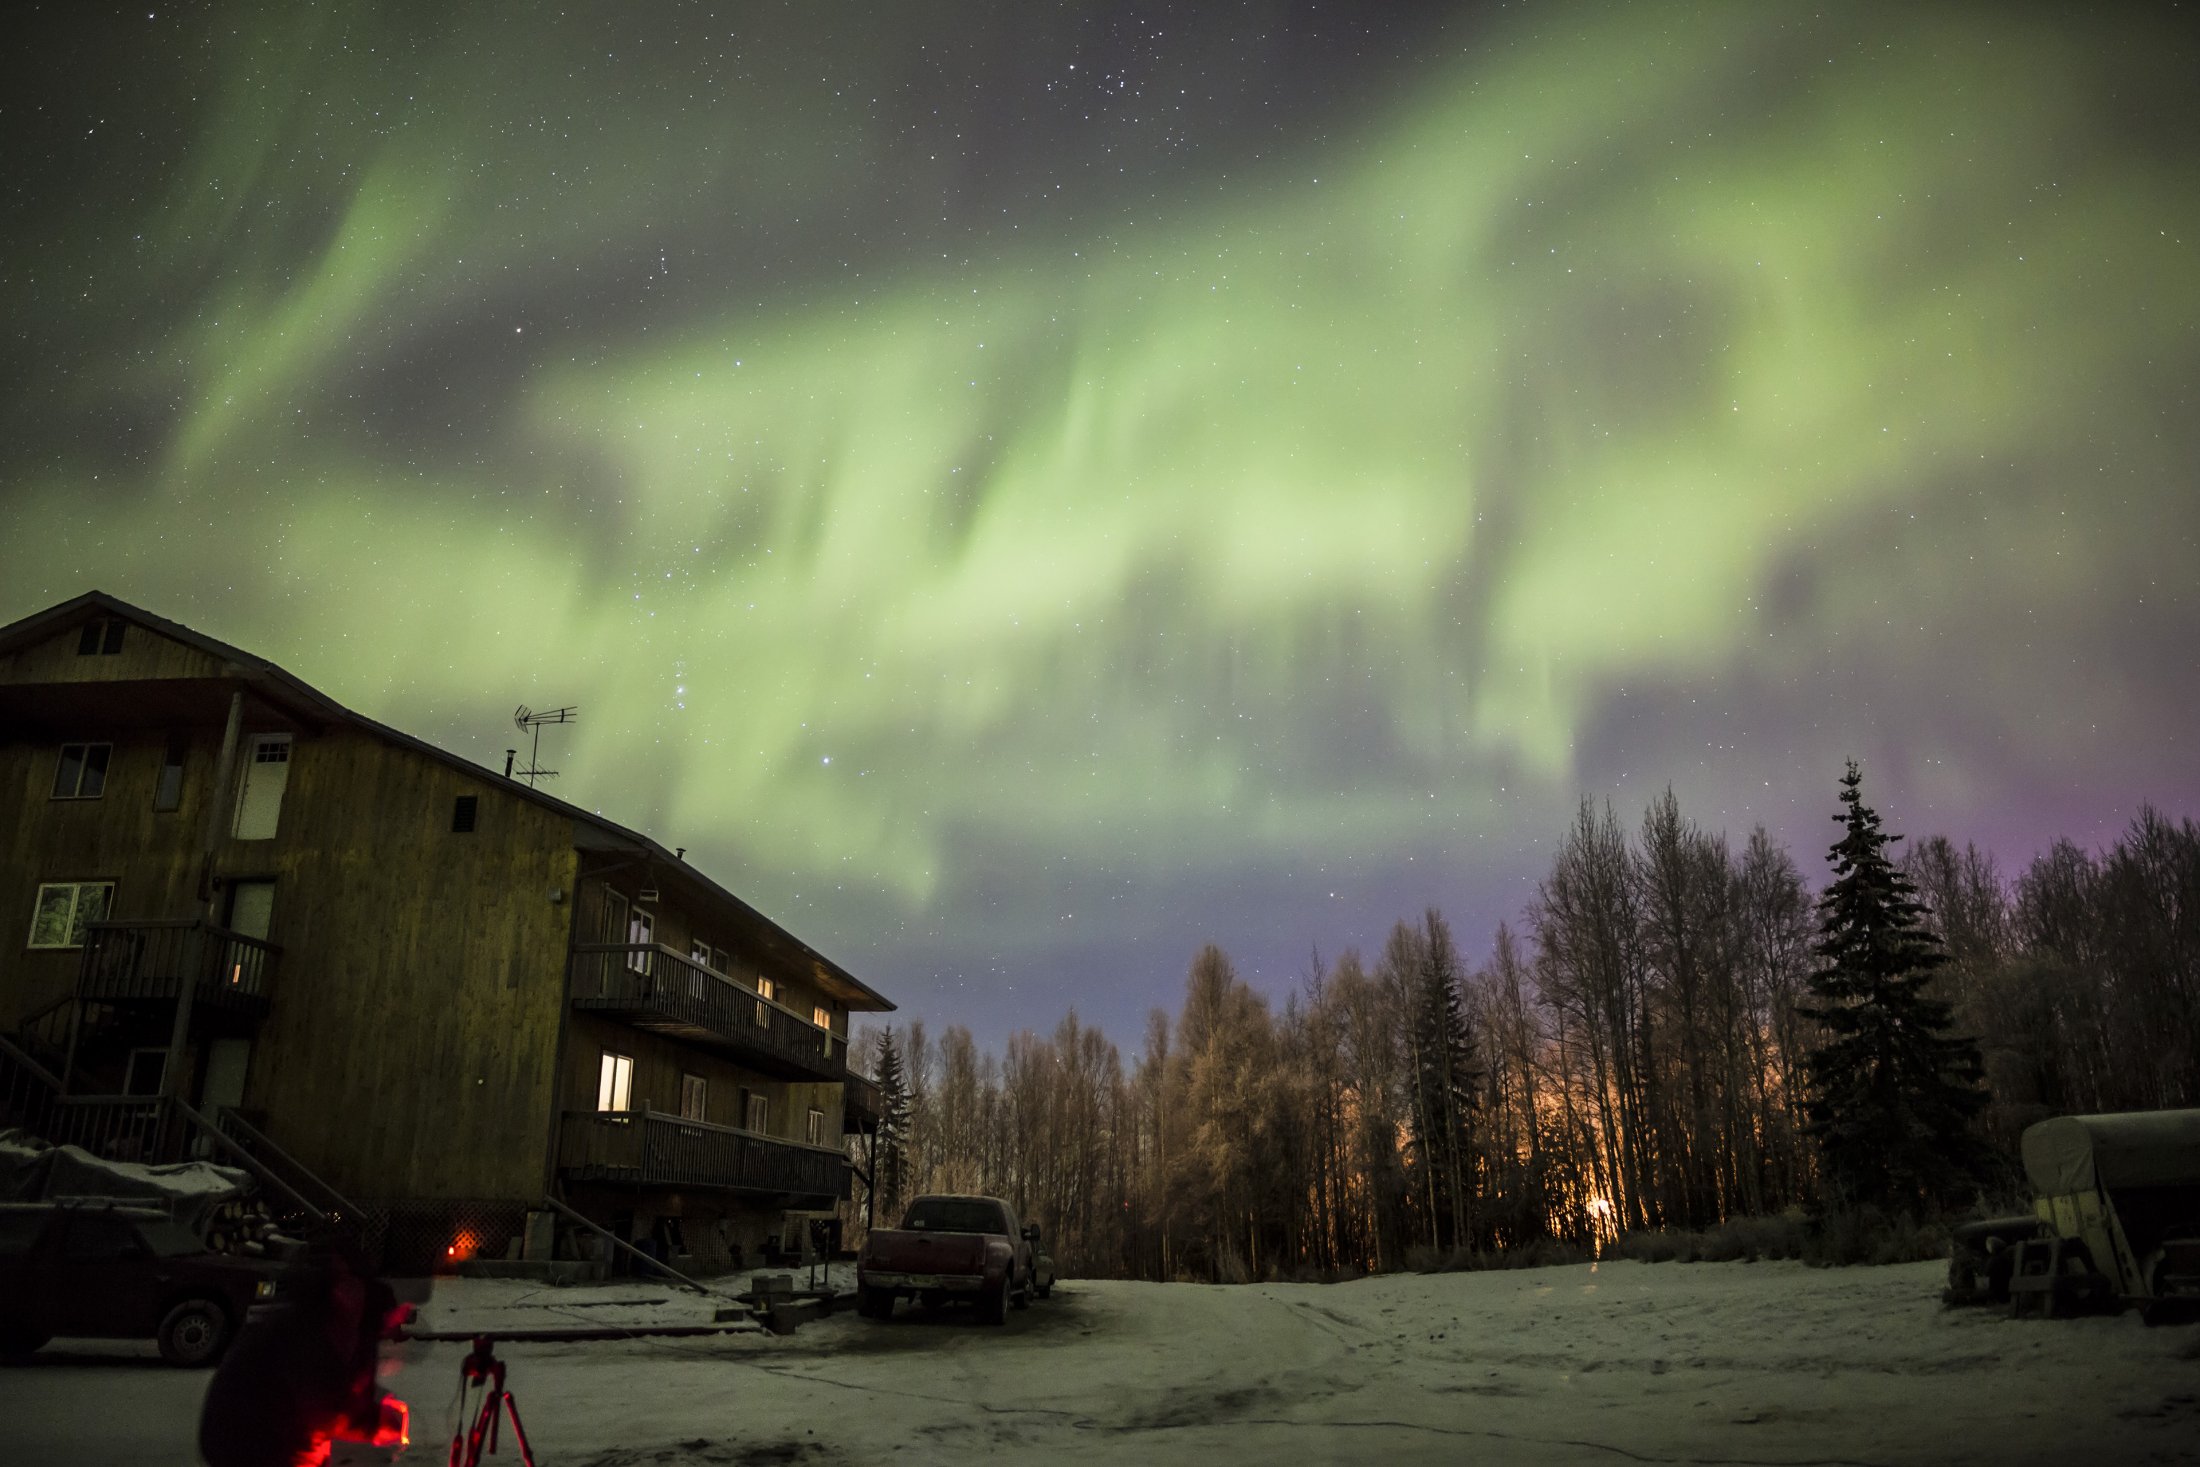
x,y
1634,1058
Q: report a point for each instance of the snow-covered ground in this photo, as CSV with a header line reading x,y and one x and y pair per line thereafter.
x,y
1732,1363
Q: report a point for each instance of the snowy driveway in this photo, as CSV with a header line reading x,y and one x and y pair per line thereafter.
x,y
1731,1363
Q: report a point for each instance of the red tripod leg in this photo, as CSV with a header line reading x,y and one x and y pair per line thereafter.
x,y
519,1432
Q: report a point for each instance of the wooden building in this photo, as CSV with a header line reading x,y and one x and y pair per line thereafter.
x,y
433,992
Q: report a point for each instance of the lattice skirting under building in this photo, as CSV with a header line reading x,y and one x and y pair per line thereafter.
x,y
409,1236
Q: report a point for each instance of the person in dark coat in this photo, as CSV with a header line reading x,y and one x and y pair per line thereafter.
x,y
301,1374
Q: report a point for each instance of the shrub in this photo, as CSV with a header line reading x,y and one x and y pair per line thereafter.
x,y
1866,1235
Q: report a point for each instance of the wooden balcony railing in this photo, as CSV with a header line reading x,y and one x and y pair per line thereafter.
x,y
647,1148
655,988
862,1103
126,962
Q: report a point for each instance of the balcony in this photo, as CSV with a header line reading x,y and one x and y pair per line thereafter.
x,y
645,1148
862,1105
654,988
146,962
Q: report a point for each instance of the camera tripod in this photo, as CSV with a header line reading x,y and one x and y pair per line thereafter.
x,y
483,1369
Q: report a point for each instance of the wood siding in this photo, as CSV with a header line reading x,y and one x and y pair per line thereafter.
x,y
145,655
410,1047
151,856
418,1040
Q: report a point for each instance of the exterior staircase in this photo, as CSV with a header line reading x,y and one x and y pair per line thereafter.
x,y
160,1129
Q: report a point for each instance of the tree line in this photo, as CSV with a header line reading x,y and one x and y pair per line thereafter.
x,y
1637,1055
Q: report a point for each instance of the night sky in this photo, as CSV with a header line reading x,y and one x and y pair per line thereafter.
x,y
1021,490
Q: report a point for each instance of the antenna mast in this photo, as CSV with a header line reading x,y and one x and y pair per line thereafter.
x,y
529,722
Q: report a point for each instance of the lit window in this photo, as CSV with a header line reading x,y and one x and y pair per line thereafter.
x,y
822,1017
765,988
615,1082
693,1090
64,909
82,773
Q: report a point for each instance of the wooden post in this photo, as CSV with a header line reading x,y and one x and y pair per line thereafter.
x,y
194,940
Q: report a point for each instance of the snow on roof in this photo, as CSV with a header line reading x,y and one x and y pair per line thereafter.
x,y
2148,1148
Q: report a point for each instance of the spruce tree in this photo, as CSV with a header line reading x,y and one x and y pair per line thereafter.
x,y
1892,1091
1446,1086
890,1153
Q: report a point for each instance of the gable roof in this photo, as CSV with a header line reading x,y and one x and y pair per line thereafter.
x,y
591,831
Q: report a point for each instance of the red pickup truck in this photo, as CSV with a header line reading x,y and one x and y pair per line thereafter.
x,y
949,1248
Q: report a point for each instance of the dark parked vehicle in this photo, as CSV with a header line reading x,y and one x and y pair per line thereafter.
x,y
120,1272
949,1248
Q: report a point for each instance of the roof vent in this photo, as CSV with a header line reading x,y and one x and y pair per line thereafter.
x,y
647,896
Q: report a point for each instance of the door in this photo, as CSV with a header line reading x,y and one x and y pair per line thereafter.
x,y
251,908
611,931
251,913
223,1088
260,791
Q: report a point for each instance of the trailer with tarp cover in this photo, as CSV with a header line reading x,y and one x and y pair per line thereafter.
x,y
2115,1221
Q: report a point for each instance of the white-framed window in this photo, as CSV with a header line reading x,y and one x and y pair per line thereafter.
x,y
64,909
694,1095
260,792
699,955
615,1082
760,1113
641,931
82,772
816,1131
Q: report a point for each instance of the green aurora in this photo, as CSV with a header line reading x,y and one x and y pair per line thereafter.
x,y
1004,569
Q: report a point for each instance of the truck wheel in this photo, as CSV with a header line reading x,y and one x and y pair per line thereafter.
x,y
193,1333
874,1303
993,1305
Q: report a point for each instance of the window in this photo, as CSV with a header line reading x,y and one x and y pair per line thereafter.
x,y
144,1072
816,1131
760,1112
462,814
102,637
168,794
699,960
765,988
82,772
693,1093
822,1017
95,1239
260,794
65,908
615,1082
641,931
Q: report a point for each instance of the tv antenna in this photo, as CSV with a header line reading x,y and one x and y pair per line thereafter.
x,y
529,722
